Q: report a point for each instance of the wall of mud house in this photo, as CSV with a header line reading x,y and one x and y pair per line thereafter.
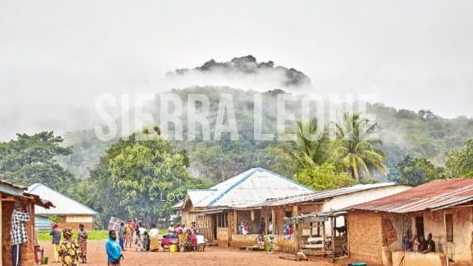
x,y
460,249
73,222
365,237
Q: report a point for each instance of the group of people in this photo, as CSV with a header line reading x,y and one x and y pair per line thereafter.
x,y
66,250
134,235
70,252
186,236
419,244
244,227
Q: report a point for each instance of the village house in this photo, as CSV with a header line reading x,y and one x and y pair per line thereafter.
x,y
259,199
219,210
309,215
11,197
68,212
382,231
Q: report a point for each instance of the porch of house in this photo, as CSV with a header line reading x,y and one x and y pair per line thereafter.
x,y
381,237
229,228
287,237
266,218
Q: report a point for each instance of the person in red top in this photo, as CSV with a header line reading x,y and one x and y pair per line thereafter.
x,y
193,239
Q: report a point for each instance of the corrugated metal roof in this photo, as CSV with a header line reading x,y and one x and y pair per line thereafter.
x,y
434,195
11,189
246,189
19,191
198,195
39,201
64,205
323,195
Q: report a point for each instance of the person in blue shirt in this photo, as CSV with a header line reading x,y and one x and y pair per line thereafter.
x,y
114,251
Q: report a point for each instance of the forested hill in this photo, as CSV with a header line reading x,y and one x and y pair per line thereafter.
x,y
403,132
244,68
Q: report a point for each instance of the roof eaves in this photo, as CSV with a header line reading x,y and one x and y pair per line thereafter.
x,y
321,196
39,201
11,189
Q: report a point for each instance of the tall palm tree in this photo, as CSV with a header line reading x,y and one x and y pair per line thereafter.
x,y
356,147
312,143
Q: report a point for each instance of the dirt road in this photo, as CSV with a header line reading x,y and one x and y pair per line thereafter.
x,y
211,257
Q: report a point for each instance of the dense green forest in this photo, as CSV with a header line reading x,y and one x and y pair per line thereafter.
x,y
130,176
403,133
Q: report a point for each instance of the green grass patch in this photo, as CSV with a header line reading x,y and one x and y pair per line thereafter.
x,y
93,235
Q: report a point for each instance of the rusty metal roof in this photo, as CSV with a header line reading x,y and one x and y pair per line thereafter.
x,y
19,191
10,188
39,201
435,195
323,195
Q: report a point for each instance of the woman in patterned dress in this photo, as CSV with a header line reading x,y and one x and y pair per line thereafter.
x,y
68,250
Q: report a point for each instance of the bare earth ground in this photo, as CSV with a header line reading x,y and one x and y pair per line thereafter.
x,y
211,257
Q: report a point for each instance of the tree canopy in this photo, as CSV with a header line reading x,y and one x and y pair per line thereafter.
x,y
351,157
357,148
416,171
460,162
31,159
312,145
324,176
141,178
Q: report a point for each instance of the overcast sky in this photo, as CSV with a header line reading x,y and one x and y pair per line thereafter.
x,y
56,56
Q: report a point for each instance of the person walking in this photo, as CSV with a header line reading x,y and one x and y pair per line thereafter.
x,y
56,240
121,236
82,239
68,249
113,249
129,234
155,241
140,237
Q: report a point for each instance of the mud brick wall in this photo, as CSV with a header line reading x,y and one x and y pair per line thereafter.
x,y
27,249
365,236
